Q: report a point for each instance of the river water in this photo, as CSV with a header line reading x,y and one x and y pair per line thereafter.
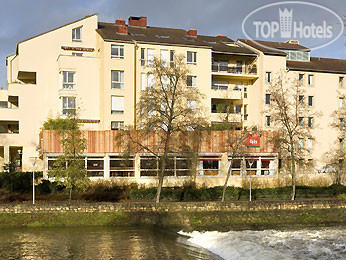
x,y
151,243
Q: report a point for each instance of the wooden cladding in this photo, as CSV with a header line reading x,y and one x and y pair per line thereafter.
x,y
202,142
68,48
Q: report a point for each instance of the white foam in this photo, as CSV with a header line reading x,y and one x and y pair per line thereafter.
x,y
329,243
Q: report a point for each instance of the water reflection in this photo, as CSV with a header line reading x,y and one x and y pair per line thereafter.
x,y
96,243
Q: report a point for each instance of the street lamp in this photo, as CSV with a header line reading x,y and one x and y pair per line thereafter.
x,y
34,159
251,162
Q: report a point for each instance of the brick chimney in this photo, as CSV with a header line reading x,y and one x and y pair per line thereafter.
x,y
138,21
220,35
192,33
122,29
120,21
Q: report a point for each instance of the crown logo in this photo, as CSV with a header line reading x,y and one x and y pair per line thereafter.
x,y
285,22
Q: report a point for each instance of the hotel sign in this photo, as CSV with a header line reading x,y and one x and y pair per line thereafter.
x,y
253,140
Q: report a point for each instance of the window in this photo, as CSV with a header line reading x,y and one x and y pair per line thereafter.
x,y
122,167
236,165
310,143
268,77
117,105
191,81
220,85
142,57
151,80
301,80
95,167
209,165
68,80
68,105
191,57
151,55
341,123
117,51
143,81
310,80
245,91
341,102
301,100
298,55
239,66
245,112
164,58
310,101
301,143
77,54
192,104
301,122
117,125
175,166
310,122
171,58
77,34
267,99
341,82
341,144
267,120
117,78
310,164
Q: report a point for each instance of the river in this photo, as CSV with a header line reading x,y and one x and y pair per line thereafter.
x,y
151,243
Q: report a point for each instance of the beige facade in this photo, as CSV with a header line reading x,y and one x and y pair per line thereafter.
x,y
99,69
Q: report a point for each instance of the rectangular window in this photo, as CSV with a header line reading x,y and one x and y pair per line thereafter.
x,y
267,120
117,78
77,54
151,56
117,105
68,105
341,144
121,166
341,102
77,34
301,143
95,167
239,66
301,100
301,122
191,81
164,57
267,99
341,123
209,165
192,104
310,80
142,57
220,85
310,122
191,57
301,80
143,81
341,82
117,51
245,91
310,101
68,80
268,77
310,143
117,125
171,58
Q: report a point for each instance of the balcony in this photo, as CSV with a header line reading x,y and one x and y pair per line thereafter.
x,y
244,71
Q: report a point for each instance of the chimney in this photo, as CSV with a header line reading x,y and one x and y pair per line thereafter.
x,y
192,33
138,21
220,35
292,41
122,29
120,21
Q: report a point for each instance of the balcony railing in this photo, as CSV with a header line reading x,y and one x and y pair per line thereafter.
x,y
246,69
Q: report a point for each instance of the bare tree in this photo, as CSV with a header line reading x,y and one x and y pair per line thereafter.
x,y
290,116
168,113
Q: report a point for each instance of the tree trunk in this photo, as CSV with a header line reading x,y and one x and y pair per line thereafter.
x,y
293,173
163,168
70,195
226,182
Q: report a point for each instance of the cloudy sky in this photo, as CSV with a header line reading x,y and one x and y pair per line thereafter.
x,y
21,19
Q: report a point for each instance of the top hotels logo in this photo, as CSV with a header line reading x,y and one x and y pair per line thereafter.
x,y
311,24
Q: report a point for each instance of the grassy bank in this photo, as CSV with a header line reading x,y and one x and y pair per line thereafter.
x,y
182,220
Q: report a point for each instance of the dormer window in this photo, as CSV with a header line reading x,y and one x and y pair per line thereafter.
x,y
77,34
298,55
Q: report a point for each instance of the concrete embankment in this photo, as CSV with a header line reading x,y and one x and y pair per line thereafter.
x,y
180,215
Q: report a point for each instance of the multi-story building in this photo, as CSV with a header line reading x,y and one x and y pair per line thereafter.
x,y
100,69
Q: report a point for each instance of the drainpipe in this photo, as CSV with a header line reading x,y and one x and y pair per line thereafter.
x,y
135,81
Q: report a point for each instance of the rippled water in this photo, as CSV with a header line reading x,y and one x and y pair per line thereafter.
x,y
96,243
321,243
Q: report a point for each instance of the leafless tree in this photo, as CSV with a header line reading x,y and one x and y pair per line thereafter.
x,y
292,118
168,113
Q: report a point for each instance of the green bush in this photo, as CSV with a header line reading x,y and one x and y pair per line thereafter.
x,y
18,181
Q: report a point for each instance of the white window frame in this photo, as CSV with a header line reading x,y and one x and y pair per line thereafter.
x,y
341,102
193,81
120,49
117,104
267,121
310,80
268,77
118,125
312,101
117,84
164,55
143,81
74,35
220,85
68,85
151,56
310,143
67,108
193,56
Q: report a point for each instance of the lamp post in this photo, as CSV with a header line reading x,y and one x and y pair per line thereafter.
x,y
34,159
250,164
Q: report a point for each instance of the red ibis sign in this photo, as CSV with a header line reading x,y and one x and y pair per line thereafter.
x,y
253,140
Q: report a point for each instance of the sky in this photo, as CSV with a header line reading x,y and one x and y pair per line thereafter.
x,y
22,19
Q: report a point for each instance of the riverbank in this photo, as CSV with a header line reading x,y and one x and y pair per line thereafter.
x,y
187,216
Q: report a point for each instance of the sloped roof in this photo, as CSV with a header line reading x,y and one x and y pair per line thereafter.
x,y
319,65
169,36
